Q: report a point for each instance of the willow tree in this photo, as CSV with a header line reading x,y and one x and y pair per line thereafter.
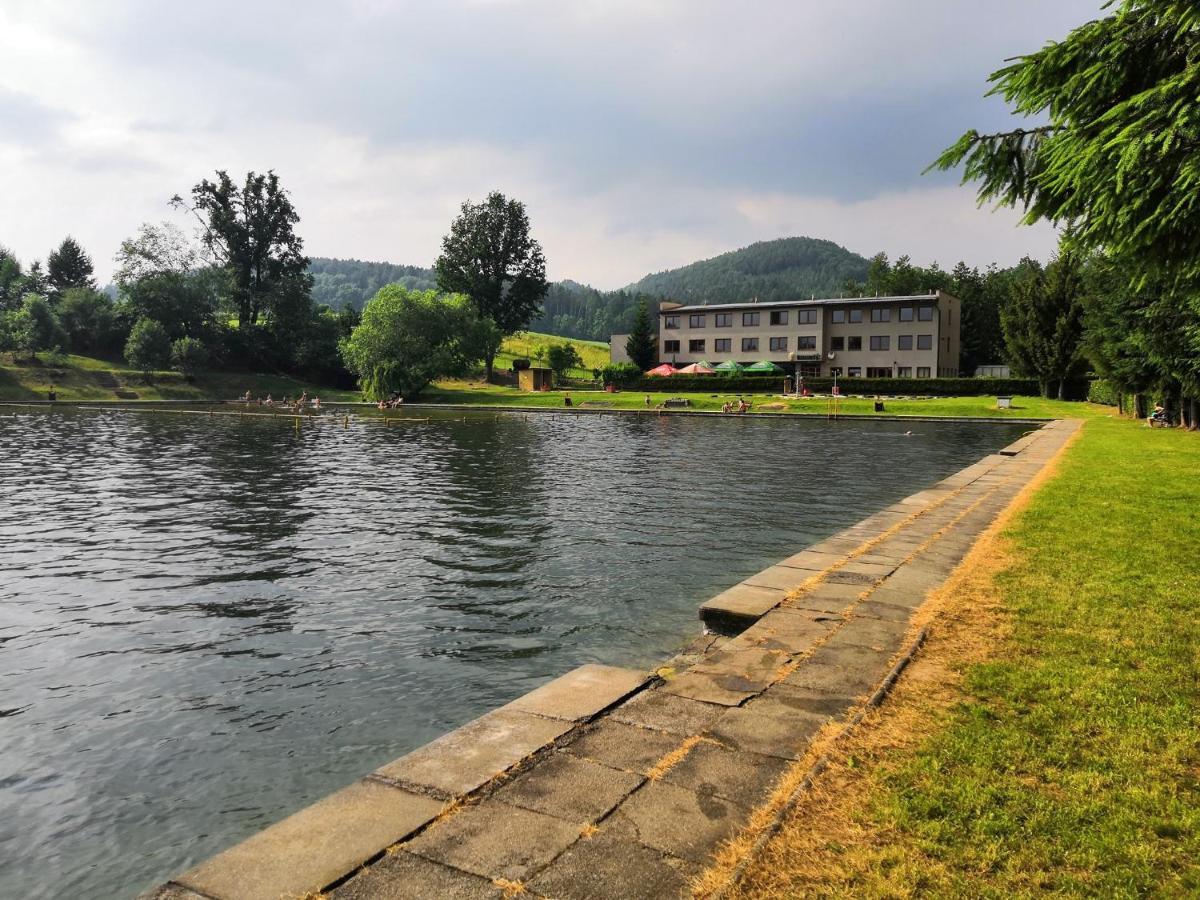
x,y
1116,157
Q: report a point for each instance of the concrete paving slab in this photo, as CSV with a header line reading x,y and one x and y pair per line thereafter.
x,y
314,847
884,635
861,566
569,788
827,597
785,699
812,561
606,866
581,693
755,665
769,730
629,747
790,630
404,876
844,671
739,606
667,712
736,775
170,892
780,578
708,687
874,609
843,576
495,840
674,820
461,761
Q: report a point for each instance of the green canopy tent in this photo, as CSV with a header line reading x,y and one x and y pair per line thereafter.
x,y
764,366
729,367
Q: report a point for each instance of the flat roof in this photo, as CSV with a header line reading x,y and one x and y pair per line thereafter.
x,y
819,301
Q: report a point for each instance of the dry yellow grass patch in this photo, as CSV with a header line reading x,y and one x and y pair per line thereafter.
x,y
509,888
829,844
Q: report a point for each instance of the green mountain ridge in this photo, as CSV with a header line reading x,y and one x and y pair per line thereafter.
x,y
782,269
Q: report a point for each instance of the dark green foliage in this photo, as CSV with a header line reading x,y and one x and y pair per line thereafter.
x,y
339,283
621,374
784,269
1104,392
641,346
148,347
490,257
409,338
1043,322
89,321
561,358
250,232
1119,162
188,355
69,267
575,310
185,303
33,327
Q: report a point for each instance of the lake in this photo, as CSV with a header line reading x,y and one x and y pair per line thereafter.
x,y
207,623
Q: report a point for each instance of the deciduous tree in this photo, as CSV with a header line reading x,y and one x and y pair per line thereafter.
x,y
490,257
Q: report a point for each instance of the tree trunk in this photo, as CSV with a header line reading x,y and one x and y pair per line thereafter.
x,y
1062,389
488,362
1139,408
1120,404
1044,388
1192,406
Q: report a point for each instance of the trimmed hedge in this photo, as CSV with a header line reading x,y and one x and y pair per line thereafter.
x,y
1077,389
1102,392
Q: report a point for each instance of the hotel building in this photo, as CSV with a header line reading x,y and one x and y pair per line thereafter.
x,y
869,337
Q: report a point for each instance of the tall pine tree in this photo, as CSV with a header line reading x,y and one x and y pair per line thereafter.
x,y
68,267
641,344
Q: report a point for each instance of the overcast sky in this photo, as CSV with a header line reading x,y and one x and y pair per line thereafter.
x,y
641,135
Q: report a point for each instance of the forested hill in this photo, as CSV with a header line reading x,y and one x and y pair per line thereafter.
x,y
342,282
783,269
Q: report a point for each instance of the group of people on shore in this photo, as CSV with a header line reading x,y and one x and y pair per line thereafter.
x,y
300,404
397,402
742,406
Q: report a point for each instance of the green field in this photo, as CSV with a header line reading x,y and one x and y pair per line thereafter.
x,y
85,378
527,344
1069,763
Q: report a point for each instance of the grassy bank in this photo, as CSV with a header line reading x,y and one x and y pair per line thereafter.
x,y
85,378
529,344
1046,740
479,394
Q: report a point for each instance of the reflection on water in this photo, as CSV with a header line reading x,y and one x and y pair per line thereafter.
x,y
206,623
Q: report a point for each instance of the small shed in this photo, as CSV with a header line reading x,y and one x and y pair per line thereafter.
x,y
536,379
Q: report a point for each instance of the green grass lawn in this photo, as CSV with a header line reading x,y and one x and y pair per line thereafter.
x,y
85,378
526,344
477,393
1070,763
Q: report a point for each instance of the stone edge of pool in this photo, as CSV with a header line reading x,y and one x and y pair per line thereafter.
x,y
625,780
556,410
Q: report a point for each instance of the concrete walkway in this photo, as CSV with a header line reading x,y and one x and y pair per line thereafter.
x,y
609,782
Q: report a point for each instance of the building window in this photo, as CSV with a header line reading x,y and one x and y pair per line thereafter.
x,y
879,371
749,319
906,314
670,346
696,321
837,343
854,372
905,342
924,341
855,316
925,313
749,344
724,320
881,342
904,371
722,345
837,316
806,342
835,372
778,344
670,321
922,371
779,317
806,317
881,315
854,342
696,346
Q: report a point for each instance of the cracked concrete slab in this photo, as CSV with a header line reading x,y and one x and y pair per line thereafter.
x,y
581,693
667,712
768,730
629,747
404,876
569,788
739,776
606,866
675,820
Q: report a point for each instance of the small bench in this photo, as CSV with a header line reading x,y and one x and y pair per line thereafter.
x,y
677,403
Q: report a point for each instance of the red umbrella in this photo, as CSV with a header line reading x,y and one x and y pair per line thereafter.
x,y
664,369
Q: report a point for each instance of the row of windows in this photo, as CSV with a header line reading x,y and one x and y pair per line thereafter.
x,y
803,317
725,345
880,372
882,342
807,342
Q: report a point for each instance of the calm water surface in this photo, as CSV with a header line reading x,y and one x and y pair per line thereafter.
x,y
207,623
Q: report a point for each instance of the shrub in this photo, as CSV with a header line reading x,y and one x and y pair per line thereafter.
x,y
188,355
1102,391
562,358
620,373
148,347
773,384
